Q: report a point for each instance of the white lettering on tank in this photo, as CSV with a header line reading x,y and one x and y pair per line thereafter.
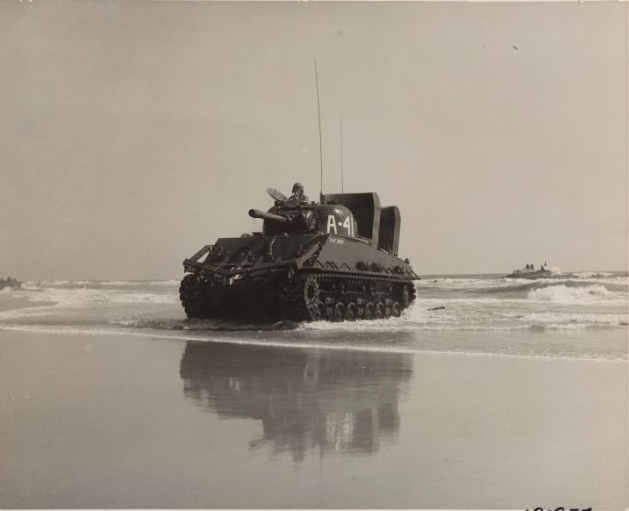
x,y
347,226
331,224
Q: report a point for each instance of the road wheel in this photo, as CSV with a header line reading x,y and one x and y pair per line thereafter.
x,y
318,311
339,312
351,312
406,297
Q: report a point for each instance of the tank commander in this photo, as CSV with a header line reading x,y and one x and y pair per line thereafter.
x,y
298,195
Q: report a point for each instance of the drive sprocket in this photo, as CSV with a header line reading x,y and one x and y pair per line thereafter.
x,y
298,298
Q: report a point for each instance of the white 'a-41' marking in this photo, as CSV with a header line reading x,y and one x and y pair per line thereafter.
x,y
346,224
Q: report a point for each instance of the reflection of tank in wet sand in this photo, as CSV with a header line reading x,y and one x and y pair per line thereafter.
x,y
330,400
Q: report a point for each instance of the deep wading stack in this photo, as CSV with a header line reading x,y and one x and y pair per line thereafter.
x,y
335,260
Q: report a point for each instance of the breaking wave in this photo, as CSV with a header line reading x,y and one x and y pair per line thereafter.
x,y
451,280
576,320
564,291
137,283
102,283
84,296
571,295
593,274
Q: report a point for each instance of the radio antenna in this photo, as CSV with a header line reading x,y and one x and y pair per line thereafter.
x,y
320,140
342,190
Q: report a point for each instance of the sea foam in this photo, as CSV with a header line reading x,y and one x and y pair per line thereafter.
x,y
83,296
571,295
574,320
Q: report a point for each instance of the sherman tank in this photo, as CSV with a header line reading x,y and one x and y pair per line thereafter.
x,y
333,260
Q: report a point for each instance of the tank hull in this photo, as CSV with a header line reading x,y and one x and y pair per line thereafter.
x,y
297,277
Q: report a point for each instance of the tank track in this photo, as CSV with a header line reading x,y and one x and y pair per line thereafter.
x,y
315,296
307,296
197,298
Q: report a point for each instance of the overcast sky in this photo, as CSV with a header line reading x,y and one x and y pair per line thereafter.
x,y
132,134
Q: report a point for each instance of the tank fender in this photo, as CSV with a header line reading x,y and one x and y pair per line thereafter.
x,y
188,264
202,252
354,254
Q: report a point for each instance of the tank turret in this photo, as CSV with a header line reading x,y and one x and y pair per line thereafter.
x,y
335,260
291,220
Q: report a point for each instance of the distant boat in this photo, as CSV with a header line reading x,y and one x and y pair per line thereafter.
x,y
529,273
10,282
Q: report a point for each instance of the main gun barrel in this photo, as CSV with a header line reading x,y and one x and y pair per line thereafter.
x,y
254,213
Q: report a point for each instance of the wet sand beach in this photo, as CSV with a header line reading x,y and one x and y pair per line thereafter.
x,y
123,421
9,302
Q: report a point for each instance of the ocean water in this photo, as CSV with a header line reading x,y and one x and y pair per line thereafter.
x,y
582,315
512,396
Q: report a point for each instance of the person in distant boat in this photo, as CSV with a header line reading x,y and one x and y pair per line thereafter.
x,y
528,266
298,195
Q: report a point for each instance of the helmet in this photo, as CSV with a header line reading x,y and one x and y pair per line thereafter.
x,y
297,186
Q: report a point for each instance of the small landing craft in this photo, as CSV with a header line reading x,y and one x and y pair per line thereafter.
x,y
334,260
529,272
10,282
